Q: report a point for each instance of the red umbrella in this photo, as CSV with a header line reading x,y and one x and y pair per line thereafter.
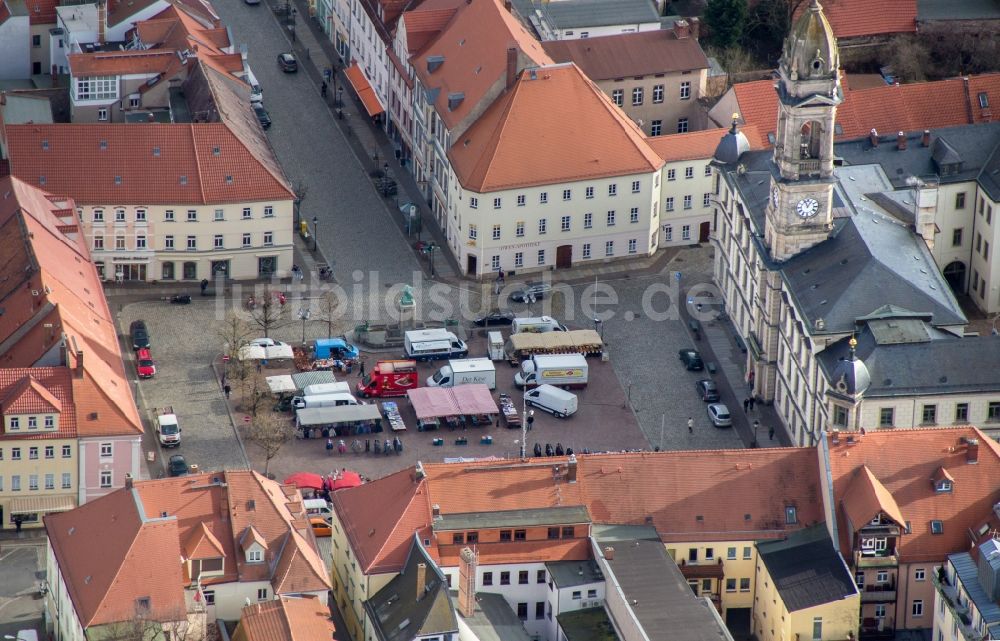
x,y
305,480
347,479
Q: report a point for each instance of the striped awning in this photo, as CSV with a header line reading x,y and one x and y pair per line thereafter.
x,y
42,504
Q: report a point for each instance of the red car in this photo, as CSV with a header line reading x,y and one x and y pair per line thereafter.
x,y
144,363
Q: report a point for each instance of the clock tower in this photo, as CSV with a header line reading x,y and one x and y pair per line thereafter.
x,y
799,211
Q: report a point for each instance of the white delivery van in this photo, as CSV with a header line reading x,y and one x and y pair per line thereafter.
x,y
564,370
318,507
464,372
340,387
550,398
428,344
324,400
537,324
168,430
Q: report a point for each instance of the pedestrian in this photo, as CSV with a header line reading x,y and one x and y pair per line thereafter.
x,y
690,425
329,446
770,433
361,368
746,405
531,419
387,447
341,446
227,389
368,445
204,285
322,89
17,523
752,401
258,367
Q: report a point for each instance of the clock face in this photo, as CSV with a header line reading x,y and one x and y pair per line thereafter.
x,y
807,207
774,196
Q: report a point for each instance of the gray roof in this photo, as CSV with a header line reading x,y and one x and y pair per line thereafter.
x,y
659,596
21,109
806,569
624,532
566,574
951,10
589,624
899,363
493,619
968,573
567,515
398,615
575,14
302,379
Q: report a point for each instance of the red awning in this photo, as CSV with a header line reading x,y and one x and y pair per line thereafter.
x,y
347,479
305,480
437,402
364,90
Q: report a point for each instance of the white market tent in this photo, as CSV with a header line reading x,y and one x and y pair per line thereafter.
x,y
310,416
281,384
272,353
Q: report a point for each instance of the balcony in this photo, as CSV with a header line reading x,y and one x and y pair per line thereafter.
x,y
959,612
873,559
702,570
807,167
873,628
879,593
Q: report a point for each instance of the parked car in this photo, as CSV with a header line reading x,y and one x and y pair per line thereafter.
x,y
708,390
287,63
252,2
691,359
719,415
499,317
265,342
320,527
177,465
139,334
144,364
537,291
262,116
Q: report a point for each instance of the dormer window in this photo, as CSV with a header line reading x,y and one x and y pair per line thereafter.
x,y
942,480
877,520
791,518
943,486
255,555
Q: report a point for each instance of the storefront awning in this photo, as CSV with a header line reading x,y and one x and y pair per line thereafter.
x,y
41,504
364,90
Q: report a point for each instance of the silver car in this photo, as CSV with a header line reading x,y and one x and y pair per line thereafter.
x,y
719,414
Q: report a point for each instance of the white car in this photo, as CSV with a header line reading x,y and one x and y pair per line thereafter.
x,y
719,414
265,342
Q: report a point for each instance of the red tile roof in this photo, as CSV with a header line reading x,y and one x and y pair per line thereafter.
x,y
123,168
988,84
42,11
424,23
887,109
473,47
854,18
700,144
140,547
553,126
38,390
117,63
53,294
286,619
904,462
665,489
630,54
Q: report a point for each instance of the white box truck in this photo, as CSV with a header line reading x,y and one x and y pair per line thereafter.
x,y
561,370
168,431
429,344
537,325
324,400
464,372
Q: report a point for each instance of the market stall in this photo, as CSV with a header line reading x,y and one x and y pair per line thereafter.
x,y
454,405
578,341
283,384
269,354
304,379
344,420
391,411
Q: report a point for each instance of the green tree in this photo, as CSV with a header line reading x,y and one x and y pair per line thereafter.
x,y
725,20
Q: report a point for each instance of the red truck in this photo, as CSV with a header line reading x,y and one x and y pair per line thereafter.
x,y
389,378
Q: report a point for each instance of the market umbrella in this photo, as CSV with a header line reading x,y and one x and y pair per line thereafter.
x,y
347,479
305,480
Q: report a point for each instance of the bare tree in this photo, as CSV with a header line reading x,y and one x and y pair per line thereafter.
x,y
329,308
252,390
234,334
268,314
909,59
270,432
143,625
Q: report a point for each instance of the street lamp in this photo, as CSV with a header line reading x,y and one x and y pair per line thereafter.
x,y
756,424
304,314
599,327
385,169
340,95
315,232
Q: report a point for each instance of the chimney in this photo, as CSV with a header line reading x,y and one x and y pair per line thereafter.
x,y
682,29
421,580
873,137
972,451
695,27
901,141
571,469
925,140
511,67
467,583
128,481
102,20
609,553
78,371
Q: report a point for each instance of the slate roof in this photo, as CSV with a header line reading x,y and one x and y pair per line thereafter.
x,y
968,572
569,573
806,569
493,619
942,364
575,14
629,54
658,595
403,610
905,461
